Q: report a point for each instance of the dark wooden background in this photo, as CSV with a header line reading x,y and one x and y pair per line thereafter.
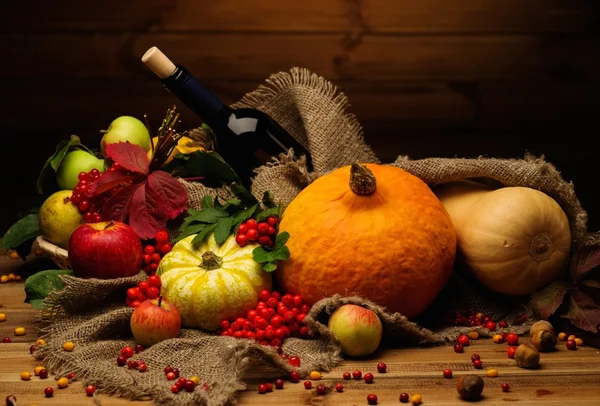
x,y
425,77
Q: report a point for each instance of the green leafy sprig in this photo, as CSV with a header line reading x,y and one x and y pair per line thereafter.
x,y
224,219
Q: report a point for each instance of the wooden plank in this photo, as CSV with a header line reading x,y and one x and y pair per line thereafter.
x,y
564,377
255,57
373,16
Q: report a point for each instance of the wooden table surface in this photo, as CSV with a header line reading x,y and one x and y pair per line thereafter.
x,y
565,377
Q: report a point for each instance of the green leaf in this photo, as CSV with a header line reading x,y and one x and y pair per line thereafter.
x,y
243,194
268,199
244,214
22,231
207,202
281,254
280,240
201,236
273,211
53,162
260,255
222,229
210,215
190,229
270,266
547,300
39,285
208,164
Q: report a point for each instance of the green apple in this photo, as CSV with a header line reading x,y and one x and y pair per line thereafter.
x,y
58,218
76,161
124,129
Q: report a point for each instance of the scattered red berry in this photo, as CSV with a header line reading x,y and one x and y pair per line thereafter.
x,y
512,339
189,386
474,357
458,348
139,348
307,385
502,324
357,374
478,364
71,376
571,345
32,349
127,352
505,387
294,376
369,377
372,399
339,387
321,389
43,374
404,397
90,389
142,367
381,367
346,376
176,372
6,340
279,384
510,352
490,325
171,376
463,340
294,361
269,387
121,361
175,388
132,364
447,373
49,392
168,369
262,389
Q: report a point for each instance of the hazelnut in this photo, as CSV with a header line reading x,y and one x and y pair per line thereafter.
x,y
469,387
544,340
541,325
527,356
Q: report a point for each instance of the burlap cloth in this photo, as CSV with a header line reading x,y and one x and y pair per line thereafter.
x,y
93,314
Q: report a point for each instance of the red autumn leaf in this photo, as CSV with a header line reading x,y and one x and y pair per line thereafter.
x,y
110,180
586,259
583,311
117,206
147,212
545,301
172,192
130,156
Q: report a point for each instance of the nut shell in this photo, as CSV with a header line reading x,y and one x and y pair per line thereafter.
x,y
469,387
544,340
527,356
542,325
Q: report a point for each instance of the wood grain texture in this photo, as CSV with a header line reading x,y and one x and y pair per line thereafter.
x,y
373,16
564,377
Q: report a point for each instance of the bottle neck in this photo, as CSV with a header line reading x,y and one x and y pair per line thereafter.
x,y
195,96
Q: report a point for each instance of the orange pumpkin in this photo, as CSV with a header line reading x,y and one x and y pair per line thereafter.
x,y
372,230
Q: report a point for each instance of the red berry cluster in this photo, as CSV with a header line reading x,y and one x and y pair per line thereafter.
x,y
262,232
155,250
182,383
82,197
472,319
125,358
274,319
148,289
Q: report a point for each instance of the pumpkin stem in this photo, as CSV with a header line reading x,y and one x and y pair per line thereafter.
x,y
211,261
362,180
541,247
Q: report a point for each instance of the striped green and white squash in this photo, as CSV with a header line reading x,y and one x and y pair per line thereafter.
x,y
211,283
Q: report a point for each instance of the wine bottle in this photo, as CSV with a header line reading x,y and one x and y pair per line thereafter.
x,y
245,137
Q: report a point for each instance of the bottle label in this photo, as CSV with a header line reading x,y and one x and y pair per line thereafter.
x,y
242,125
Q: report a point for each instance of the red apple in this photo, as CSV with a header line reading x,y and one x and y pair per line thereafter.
x,y
155,320
105,250
357,329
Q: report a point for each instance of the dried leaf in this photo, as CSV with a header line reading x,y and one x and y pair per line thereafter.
x,y
147,213
583,312
173,194
110,180
130,156
117,206
545,301
585,259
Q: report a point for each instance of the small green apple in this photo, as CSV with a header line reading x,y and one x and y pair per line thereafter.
x,y
357,329
124,129
76,161
58,218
